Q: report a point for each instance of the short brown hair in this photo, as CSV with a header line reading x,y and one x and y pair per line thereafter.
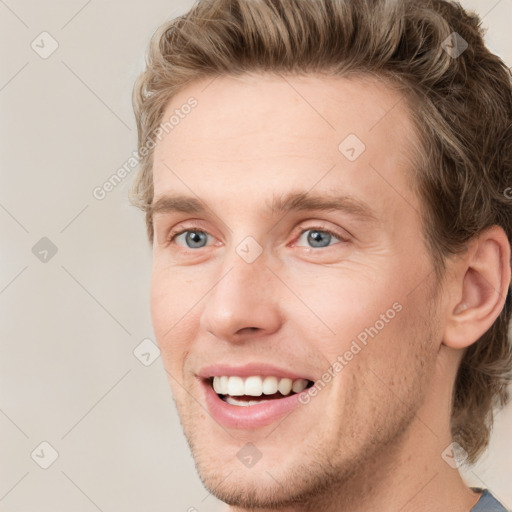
x,y
459,97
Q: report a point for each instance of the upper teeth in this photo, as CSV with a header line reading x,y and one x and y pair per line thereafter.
x,y
257,386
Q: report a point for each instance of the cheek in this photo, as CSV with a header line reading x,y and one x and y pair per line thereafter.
x,y
173,293
379,325
345,306
172,302
161,303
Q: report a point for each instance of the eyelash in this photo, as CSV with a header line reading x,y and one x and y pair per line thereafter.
x,y
172,236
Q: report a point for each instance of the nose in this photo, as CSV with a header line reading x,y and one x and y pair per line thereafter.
x,y
243,303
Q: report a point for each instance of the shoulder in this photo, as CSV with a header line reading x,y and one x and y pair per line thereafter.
x,y
488,503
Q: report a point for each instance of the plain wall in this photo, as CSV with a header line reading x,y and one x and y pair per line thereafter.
x,y
70,324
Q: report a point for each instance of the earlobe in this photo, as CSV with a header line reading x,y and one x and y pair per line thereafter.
x,y
481,281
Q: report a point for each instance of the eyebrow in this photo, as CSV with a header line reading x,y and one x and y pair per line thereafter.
x,y
291,202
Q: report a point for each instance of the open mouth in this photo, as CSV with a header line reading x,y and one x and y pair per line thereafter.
x,y
254,390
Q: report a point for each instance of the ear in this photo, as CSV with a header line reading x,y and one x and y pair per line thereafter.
x,y
480,285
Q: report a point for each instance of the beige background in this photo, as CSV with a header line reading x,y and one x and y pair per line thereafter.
x,y
70,325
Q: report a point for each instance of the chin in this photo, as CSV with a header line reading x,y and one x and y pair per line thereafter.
x,y
299,476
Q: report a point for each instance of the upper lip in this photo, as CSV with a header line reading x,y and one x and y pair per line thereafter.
x,y
249,369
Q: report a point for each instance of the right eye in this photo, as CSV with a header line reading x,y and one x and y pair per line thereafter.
x,y
193,239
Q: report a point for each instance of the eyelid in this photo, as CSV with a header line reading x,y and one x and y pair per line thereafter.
x,y
331,231
184,226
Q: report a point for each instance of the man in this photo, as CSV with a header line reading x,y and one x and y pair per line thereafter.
x,y
325,193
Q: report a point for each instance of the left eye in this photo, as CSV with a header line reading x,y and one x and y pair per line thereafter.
x,y
319,237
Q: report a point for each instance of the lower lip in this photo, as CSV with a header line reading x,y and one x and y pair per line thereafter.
x,y
251,416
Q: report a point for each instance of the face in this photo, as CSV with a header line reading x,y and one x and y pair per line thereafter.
x,y
288,253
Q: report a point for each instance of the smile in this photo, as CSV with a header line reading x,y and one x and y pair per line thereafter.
x,y
243,392
251,396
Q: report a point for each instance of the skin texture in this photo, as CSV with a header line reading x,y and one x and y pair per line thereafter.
x,y
372,438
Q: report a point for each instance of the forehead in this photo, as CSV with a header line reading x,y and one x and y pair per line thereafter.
x,y
271,133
